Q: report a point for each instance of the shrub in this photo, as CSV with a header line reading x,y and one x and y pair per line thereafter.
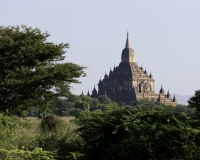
x,y
50,124
7,128
70,146
52,130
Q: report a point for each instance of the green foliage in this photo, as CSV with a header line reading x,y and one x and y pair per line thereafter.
x,y
21,154
63,107
109,106
72,112
31,73
50,124
138,133
104,99
70,146
182,108
51,133
74,98
93,102
7,126
83,106
34,111
143,102
194,102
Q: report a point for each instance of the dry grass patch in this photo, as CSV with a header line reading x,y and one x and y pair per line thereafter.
x,y
30,126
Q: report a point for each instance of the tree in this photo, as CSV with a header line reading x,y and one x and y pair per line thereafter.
x,y
84,106
93,102
182,108
194,102
138,134
104,99
31,72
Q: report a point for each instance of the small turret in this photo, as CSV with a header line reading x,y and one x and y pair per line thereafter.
x,y
100,81
161,90
110,73
150,76
88,94
145,71
94,92
82,93
168,95
174,98
141,67
105,76
94,88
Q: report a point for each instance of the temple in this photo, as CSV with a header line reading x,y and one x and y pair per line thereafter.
x,y
128,82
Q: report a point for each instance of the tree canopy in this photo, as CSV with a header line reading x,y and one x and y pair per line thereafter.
x,y
32,70
194,102
138,134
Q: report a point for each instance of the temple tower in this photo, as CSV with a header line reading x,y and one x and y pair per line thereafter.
x,y
128,82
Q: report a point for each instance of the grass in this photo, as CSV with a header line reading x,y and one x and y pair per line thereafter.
x,y
29,130
30,125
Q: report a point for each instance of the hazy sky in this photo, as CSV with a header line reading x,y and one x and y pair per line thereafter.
x,y
165,35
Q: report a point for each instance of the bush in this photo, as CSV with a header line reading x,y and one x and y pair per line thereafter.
x,y
7,128
70,146
52,130
50,124
37,153
72,112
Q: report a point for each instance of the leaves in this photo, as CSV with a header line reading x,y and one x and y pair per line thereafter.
x,y
138,133
31,72
194,102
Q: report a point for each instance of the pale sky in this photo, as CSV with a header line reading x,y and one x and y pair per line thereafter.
x,y
165,35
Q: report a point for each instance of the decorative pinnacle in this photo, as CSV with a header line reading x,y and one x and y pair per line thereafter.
x,y
94,88
150,76
127,42
141,67
88,94
174,99
145,71
168,95
162,90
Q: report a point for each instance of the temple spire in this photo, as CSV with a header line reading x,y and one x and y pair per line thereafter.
x,y
174,98
110,71
141,67
127,42
161,90
150,76
94,88
168,95
88,94
145,72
